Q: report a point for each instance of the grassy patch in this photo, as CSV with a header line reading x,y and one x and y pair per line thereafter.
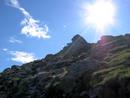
x,y
102,76
118,58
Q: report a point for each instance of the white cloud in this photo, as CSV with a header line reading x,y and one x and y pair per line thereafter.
x,y
31,27
14,40
22,57
5,49
13,3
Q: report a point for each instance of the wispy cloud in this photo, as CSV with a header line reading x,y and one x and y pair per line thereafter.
x,y
5,49
14,40
31,27
20,56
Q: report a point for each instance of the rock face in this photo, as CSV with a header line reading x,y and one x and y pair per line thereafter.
x,y
79,70
78,46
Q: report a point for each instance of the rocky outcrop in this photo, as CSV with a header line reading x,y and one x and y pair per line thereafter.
x,y
78,46
79,70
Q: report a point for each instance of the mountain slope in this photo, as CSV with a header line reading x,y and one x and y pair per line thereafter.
x,y
80,70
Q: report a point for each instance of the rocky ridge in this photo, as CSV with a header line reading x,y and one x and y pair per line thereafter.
x,y
79,70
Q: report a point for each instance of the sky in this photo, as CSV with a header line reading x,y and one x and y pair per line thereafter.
x,y
31,29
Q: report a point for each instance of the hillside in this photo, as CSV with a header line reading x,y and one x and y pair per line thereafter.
x,y
79,70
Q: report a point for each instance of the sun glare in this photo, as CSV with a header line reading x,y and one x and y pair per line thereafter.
x,y
101,14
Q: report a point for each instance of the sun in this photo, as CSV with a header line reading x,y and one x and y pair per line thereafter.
x,y
101,14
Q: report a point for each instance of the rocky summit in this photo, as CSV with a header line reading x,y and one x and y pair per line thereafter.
x,y
79,70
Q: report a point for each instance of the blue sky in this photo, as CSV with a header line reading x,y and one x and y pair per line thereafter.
x,y
32,29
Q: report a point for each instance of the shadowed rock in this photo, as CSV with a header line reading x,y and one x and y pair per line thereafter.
x,y
76,47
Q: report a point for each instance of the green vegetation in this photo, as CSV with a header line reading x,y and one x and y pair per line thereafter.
x,y
102,76
16,79
120,68
118,58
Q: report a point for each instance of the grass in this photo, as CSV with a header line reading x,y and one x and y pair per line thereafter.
x,y
118,58
119,70
102,76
